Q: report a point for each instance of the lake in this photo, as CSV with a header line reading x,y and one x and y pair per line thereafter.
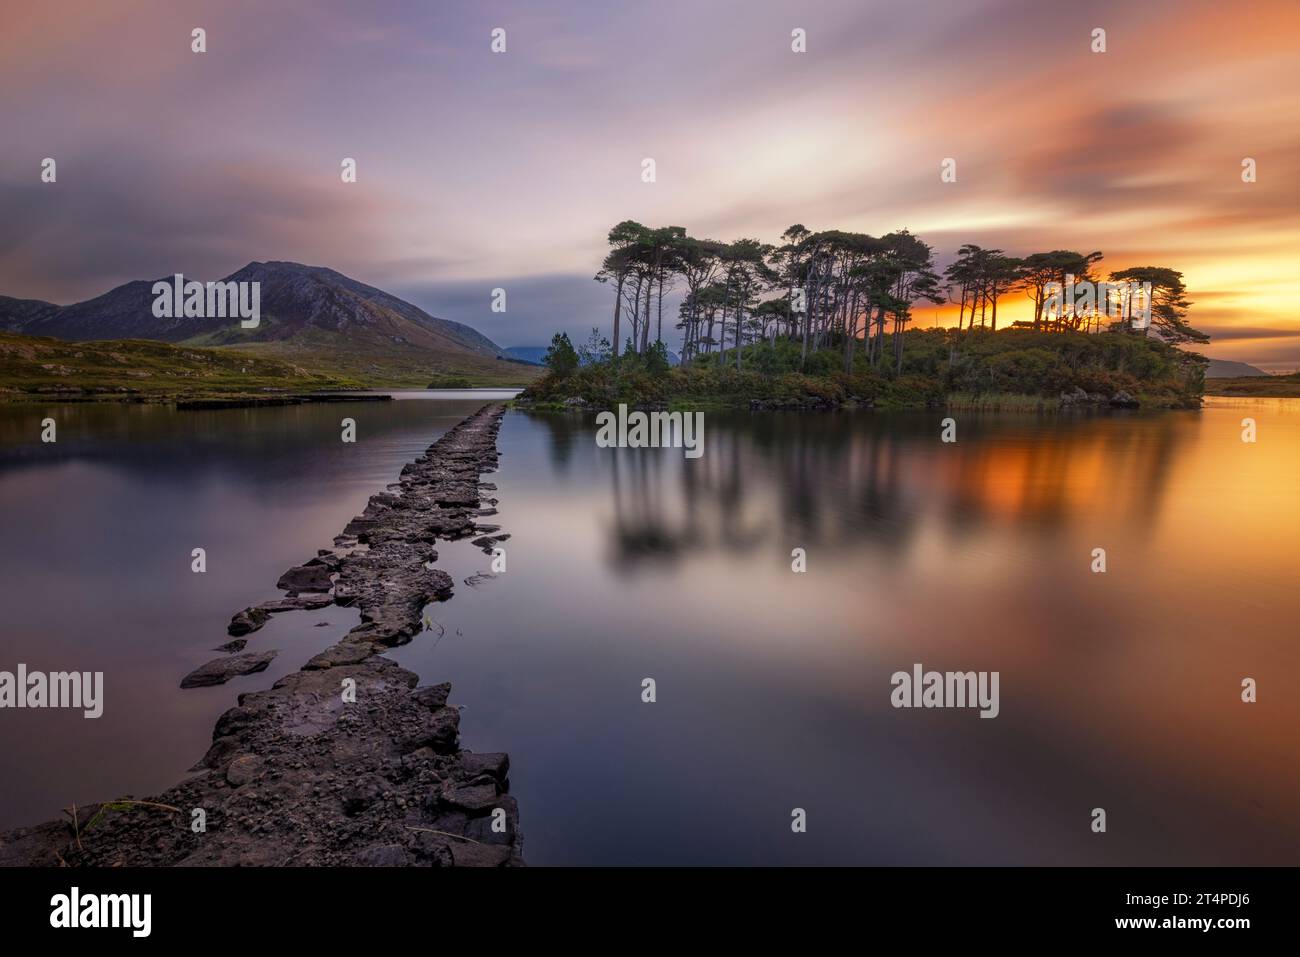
x,y
1118,690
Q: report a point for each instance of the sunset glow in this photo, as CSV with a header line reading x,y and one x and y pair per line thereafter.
x,y
478,173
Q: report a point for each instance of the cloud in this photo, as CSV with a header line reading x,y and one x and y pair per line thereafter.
x,y
537,307
1221,333
480,170
97,227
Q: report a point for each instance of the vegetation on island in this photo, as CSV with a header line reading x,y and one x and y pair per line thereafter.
x,y
825,318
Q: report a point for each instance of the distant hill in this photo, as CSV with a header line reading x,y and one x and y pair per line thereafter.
x,y
17,313
311,316
533,354
1223,369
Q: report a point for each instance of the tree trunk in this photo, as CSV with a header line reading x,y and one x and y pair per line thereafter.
x,y
645,329
618,308
636,315
659,333
898,344
740,323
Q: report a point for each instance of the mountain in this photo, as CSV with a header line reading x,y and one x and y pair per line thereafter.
x,y
295,299
16,313
1224,369
311,316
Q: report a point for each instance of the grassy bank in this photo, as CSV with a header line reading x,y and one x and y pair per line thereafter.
x,y
1009,369
390,368
141,370
1256,387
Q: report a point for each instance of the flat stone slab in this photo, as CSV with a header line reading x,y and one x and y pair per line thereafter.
x,y
305,601
309,577
220,670
344,653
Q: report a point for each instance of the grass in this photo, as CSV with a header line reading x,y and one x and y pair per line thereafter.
x,y
1256,387
143,370
395,368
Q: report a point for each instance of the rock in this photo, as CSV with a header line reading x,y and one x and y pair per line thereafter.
x,y
495,764
437,730
243,769
304,601
247,621
307,577
1122,400
479,578
418,757
452,494
296,777
220,670
344,653
384,855
433,697
489,542
465,854
363,793
359,528
472,798
231,647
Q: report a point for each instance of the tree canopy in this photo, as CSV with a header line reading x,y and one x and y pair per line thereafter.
x,y
847,290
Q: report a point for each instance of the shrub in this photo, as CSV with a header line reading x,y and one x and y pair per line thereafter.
x,y
561,358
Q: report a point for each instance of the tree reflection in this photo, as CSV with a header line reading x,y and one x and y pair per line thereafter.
x,y
839,482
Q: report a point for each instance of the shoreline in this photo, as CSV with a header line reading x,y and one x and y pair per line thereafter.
x,y
956,401
345,761
195,402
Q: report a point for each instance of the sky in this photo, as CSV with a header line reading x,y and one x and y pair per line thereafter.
x,y
478,170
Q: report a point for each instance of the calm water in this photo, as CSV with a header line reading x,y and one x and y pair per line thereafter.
x,y
1119,691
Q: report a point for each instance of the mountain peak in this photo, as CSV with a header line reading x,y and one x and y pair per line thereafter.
x,y
313,304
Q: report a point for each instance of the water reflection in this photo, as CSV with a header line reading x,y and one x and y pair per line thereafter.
x,y
1118,690
839,481
1123,687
